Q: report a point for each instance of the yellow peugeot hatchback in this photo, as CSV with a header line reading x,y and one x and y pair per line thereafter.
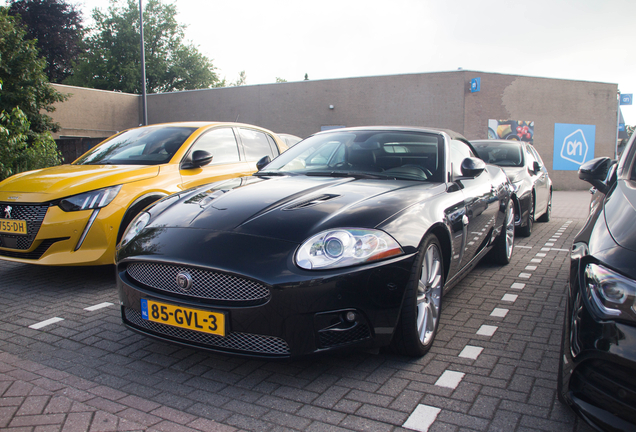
x,y
75,214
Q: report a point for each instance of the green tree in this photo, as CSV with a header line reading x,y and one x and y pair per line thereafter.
x,y
241,81
25,84
280,80
57,28
112,60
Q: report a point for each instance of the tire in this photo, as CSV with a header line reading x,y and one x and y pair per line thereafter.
x,y
422,305
504,244
525,231
548,211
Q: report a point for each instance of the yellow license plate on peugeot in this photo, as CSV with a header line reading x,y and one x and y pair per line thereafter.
x,y
183,317
13,226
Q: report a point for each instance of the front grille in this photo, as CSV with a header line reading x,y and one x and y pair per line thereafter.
x,y
33,214
332,338
239,342
205,284
609,386
36,253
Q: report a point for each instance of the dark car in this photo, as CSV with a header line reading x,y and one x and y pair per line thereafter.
x,y
348,239
597,370
527,173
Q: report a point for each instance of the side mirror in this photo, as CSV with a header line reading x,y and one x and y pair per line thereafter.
x,y
263,162
535,167
472,167
201,158
596,173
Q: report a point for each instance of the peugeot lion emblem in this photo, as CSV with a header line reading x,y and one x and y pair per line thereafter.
x,y
184,281
7,212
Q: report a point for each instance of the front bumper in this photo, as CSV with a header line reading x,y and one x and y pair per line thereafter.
x,y
55,237
272,309
598,364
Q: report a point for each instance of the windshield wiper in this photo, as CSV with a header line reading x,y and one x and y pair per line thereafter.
x,y
270,173
354,174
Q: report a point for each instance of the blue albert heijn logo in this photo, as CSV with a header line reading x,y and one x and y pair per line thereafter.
x,y
475,85
573,145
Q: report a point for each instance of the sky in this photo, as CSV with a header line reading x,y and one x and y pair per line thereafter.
x,y
588,40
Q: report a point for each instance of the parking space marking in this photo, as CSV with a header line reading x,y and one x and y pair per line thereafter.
x,y
487,330
422,418
523,247
536,260
499,312
518,285
98,306
530,267
525,275
541,254
450,379
45,323
549,244
509,298
471,352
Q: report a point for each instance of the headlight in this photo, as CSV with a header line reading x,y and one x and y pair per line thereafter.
x,y
611,293
345,247
135,227
90,200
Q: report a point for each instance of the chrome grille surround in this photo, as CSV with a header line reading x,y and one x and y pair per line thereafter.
x,y
205,284
234,341
33,214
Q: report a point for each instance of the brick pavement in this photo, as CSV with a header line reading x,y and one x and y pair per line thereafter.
x,y
492,367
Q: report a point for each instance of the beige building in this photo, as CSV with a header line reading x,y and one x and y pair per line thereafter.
x,y
550,107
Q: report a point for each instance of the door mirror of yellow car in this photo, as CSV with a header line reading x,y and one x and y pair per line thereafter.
x,y
263,162
201,158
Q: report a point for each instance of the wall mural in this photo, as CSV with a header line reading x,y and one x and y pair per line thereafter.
x,y
517,130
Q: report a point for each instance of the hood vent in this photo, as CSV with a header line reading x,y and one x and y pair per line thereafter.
x,y
311,202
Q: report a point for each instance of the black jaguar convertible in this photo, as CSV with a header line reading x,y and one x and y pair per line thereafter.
x,y
347,240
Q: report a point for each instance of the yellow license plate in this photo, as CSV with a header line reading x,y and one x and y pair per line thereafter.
x,y
183,317
13,226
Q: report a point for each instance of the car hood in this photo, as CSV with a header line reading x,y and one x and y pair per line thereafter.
x,y
66,180
620,214
292,208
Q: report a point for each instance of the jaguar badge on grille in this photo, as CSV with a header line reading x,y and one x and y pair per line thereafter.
x,y
184,281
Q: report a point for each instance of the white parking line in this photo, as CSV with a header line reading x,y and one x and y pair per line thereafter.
x,y
41,324
98,306
422,418
509,298
450,379
487,330
471,352
518,285
525,275
499,312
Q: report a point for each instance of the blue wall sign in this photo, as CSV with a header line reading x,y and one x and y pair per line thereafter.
x,y
573,145
475,85
626,99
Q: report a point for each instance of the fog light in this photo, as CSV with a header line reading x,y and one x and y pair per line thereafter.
x,y
350,316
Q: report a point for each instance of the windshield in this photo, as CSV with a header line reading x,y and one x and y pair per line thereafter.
x,y
504,154
364,153
142,146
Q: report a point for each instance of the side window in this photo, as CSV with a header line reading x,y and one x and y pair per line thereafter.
x,y
536,154
220,143
255,144
458,152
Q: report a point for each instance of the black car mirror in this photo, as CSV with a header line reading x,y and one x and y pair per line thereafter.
x,y
263,162
472,167
201,158
536,167
596,173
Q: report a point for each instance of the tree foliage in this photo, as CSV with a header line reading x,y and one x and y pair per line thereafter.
x,y
25,140
112,60
57,27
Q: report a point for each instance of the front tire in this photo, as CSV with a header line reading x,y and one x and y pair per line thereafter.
x,y
526,230
548,211
505,242
419,318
